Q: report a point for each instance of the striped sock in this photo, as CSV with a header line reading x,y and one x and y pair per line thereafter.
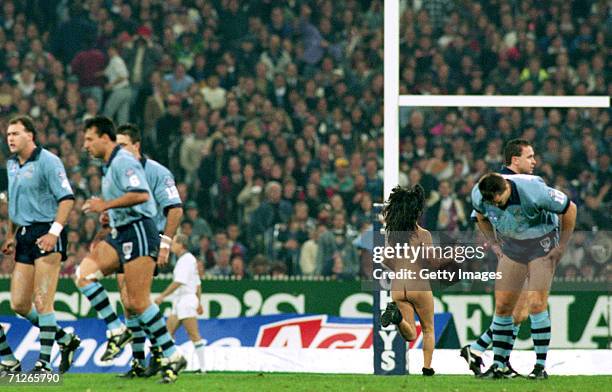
x,y
48,328
199,349
156,328
540,333
502,339
5,350
515,331
483,342
60,335
96,294
139,338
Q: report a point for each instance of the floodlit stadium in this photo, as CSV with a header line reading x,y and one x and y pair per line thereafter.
x,y
306,195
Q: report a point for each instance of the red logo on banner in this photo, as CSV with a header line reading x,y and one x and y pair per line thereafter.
x,y
314,332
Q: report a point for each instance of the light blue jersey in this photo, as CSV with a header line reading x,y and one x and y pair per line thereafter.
x,y
531,211
163,188
36,187
122,174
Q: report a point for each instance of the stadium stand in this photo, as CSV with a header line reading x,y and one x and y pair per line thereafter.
x,y
272,124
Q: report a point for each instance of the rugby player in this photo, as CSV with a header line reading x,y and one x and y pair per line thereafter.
x,y
40,200
524,212
133,242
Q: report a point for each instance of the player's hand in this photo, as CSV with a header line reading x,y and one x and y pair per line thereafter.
x,y
9,246
162,257
159,300
47,242
555,255
200,309
94,204
104,219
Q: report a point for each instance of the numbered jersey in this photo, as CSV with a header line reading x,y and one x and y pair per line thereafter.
x,y
122,174
531,211
163,189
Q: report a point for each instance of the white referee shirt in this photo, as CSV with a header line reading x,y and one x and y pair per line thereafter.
x,y
186,272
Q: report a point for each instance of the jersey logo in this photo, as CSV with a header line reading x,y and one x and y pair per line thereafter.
x,y
545,243
127,250
134,180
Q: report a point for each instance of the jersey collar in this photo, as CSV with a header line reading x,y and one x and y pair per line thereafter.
x,y
33,157
507,170
113,154
143,160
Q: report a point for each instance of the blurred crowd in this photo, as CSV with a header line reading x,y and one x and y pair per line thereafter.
x,y
269,113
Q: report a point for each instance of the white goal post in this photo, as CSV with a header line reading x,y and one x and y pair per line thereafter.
x,y
393,101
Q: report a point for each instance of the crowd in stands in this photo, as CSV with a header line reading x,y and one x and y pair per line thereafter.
x,y
269,113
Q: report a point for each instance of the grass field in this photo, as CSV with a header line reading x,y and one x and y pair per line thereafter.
x,y
268,382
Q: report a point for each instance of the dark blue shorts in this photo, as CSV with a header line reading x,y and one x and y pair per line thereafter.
x,y
136,239
524,251
26,250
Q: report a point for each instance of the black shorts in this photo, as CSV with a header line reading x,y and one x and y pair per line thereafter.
x,y
26,250
136,239
524,251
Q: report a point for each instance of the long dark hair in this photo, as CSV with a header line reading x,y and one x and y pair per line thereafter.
x,y
403,209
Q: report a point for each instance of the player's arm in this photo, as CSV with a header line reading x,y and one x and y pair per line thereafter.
x,y
568,223
200,310
169,290
487,229
173,219
9,243
60,187
168,198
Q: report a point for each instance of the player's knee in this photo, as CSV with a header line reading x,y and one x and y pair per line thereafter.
x,y
520,316
21,308
536,307
137,306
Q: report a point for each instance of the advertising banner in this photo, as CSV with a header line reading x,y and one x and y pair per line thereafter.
x,y
291,332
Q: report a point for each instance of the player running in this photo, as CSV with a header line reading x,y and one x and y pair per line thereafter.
x,y
522,210
186,291
40,200
133,242
400,214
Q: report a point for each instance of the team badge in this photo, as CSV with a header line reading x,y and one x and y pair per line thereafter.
x,y
545,243
127,250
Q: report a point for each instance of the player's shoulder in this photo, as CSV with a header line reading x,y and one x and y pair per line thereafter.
x,y
47,156
187,258
153,166
525,180
124,157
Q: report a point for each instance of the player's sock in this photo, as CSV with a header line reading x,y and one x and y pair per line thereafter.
x,y
502,338
156,327
139,338
5,350
482,343
48,327
199,349
515,331
60,335
98,297
540,333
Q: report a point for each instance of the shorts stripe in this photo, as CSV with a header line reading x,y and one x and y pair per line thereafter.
x,y
144,237
139,239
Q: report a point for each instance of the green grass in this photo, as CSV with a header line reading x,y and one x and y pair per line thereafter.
x,y
268,382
